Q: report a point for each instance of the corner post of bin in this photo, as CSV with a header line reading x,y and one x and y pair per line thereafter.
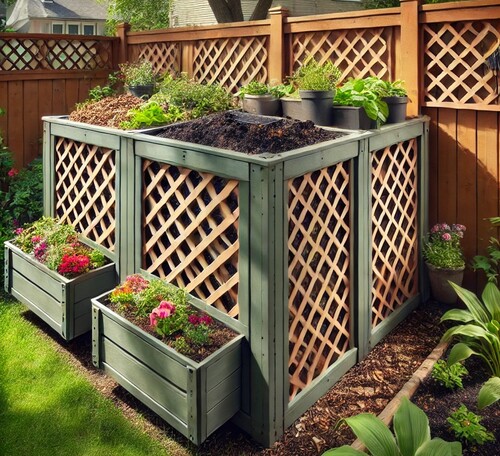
x,y
266,376
362,253
423,198
48,170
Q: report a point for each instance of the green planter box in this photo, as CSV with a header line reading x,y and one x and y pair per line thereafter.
x,y
64,304
194,398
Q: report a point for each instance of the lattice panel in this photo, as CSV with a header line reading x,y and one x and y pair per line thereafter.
x,y
394,228
454,64
190,232
55,54
164,56
231,62
318,272
358,53
85,183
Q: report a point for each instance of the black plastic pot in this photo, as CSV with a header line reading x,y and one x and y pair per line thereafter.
x,y
317,105
292,107
397,109
263,105
352,118
142,91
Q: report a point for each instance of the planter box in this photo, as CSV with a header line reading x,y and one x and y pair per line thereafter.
x,y
64,304
194,398
352,118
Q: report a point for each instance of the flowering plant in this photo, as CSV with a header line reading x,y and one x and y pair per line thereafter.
x,y
57,246
442,248
164,309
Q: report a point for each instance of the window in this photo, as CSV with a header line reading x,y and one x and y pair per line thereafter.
x,y
58,28
88,29
73,29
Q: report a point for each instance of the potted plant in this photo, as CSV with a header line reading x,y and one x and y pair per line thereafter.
x,y
316,86
55,274
139,78
444,258
259,98
359,106
179,361
396,97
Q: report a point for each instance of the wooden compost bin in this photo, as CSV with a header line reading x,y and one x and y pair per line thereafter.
x,y
313,254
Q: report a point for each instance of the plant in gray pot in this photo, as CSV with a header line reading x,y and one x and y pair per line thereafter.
x,y
396,97
139,78
316,84
358,105
259,98
444,258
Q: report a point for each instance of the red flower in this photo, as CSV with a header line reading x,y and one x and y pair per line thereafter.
x,y
13,172
73,265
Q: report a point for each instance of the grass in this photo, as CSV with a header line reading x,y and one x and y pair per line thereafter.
x,y
47,408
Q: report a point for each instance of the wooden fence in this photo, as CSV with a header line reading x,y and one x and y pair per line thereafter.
x,y
438,50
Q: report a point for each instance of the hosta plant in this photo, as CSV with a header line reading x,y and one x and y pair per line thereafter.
x,y
412,436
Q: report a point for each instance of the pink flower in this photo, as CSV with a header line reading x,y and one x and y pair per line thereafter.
x,y
13,172
194,319
164,310
18,231
446,237
36,239
206,320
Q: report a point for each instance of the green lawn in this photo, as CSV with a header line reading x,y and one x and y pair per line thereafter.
x,y
47,408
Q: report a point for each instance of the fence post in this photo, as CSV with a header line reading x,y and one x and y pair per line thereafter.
x,y
187,58
276,69
121,33
410,57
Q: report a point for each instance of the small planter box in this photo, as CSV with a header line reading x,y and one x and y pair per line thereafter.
x,y
64,304
194,398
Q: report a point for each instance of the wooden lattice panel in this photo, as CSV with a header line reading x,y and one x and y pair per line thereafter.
x,y
164,56
454,64
85,195
318,272
230,62
394,228
55,54
358,53
190,232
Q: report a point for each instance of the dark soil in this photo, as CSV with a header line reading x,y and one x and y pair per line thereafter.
x,y
367,387
248,133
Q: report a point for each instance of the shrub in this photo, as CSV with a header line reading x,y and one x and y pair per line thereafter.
x,y
466,426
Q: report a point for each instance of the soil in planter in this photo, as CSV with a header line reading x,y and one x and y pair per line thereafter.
x,y
248,133
219,336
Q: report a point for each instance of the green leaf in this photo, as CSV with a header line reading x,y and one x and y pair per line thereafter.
x,y
472,302
439,447
491,299
461,315
374,434
411,427
345,450
468,331
489,393
459,352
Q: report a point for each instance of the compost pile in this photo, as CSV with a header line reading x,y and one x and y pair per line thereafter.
x,y
248,133
108,112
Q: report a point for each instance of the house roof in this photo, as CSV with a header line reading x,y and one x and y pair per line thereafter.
x,y
26,10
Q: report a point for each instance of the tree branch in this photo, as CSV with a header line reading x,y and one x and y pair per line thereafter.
x,y
261,9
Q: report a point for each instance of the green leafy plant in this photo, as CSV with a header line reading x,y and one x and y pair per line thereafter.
x,y
478,332
466,426
490,264
449,376
363,93
313,75
253,88
411,437
146,115
442,248
137,73
57,246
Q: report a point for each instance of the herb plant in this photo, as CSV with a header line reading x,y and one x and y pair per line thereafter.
x,y
137,73
313,75
442,247
449,376
466,426
253,88
146,115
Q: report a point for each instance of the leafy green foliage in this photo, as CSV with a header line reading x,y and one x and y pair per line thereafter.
x,y
442,248
140,14
490,264
313,75
377,4
489,393
362,93
147,115
137,73
253,88
411,435
449,376
466,426
157,291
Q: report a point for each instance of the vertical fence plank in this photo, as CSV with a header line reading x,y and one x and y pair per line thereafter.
x,y
32,137
16,125
433,164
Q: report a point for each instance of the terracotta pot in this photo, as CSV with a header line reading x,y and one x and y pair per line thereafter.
x,y
441,289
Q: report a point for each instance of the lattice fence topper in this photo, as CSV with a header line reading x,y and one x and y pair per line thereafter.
x,y
455,69
231,62
52,54
85,189
318,272
164,56
358,53
190,232
394,228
